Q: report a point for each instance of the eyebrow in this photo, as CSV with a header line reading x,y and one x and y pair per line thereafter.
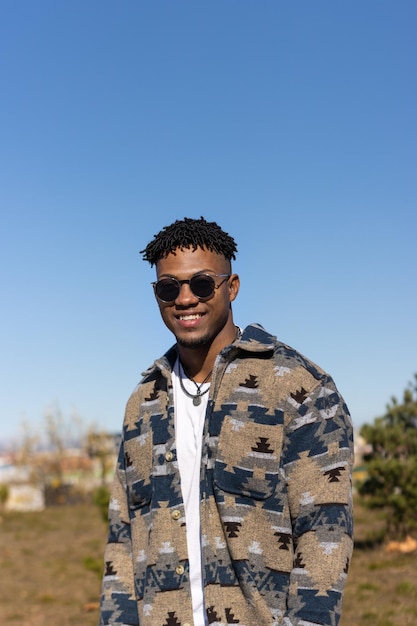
x,y
203,271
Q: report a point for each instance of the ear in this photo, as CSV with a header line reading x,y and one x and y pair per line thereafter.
x,y
234,286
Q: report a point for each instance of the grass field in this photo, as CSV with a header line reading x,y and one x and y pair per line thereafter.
x,y
51,562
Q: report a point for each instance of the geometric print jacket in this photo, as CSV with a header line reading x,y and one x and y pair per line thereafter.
x,y
276,496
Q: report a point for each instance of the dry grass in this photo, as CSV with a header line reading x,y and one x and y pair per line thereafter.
x,y
51,564
382,586
51,569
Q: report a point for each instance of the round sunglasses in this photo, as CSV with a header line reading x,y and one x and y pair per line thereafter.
x,y
201,285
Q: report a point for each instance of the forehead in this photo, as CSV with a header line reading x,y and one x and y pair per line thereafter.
x,y
186,262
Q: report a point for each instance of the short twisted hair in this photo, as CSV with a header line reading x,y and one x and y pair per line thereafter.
x,y
189,233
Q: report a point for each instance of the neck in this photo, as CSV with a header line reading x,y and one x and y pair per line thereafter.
x,y
199,362
197,365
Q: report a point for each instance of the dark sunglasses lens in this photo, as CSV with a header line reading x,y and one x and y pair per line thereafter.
x,y
167,290
202,286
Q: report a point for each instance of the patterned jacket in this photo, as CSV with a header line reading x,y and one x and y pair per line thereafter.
x,y
276,511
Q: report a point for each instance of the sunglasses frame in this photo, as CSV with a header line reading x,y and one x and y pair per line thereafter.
x,y
179,284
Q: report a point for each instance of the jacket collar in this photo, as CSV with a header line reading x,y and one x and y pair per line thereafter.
x,y
254,338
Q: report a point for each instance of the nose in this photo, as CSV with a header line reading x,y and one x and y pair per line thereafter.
x,y
185,296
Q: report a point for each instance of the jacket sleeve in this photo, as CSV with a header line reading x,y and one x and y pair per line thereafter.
x,y
318,463
118,602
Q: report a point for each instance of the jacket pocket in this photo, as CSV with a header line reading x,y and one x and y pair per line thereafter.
x,y
248,458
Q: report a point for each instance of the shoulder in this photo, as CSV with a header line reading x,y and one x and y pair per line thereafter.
x,y
256,339
152,388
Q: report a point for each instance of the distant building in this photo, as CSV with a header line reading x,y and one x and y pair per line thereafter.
x,y
362,448
22,494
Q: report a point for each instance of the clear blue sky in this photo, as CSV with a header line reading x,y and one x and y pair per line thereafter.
x,y
292,124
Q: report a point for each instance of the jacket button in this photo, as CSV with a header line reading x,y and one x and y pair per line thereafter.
x,y
169,456
180,570
176,514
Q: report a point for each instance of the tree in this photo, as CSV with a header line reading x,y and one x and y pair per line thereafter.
x,y
44,453
391,482
101,446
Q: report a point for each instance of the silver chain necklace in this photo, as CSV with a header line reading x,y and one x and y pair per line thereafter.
x,y
196,397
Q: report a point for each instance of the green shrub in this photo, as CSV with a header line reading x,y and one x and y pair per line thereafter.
x,y
101,498
4,494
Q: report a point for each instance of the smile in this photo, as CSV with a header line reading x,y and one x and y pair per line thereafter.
x,y
188,318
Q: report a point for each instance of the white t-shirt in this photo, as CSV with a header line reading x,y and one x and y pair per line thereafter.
x,y
189,425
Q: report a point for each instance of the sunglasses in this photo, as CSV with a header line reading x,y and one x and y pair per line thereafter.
x,y
202,286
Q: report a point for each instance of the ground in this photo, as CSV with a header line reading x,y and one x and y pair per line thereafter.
x,y
51,564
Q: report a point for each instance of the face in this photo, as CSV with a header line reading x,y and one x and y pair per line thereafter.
x,y
196,322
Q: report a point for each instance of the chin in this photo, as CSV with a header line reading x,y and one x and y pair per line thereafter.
x,y
193,342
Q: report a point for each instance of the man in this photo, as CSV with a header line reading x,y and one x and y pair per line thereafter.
x,y
232,497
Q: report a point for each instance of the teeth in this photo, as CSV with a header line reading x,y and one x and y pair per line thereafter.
x,y
186,318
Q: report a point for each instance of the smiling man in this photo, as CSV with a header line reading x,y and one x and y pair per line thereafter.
x,y
231,502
